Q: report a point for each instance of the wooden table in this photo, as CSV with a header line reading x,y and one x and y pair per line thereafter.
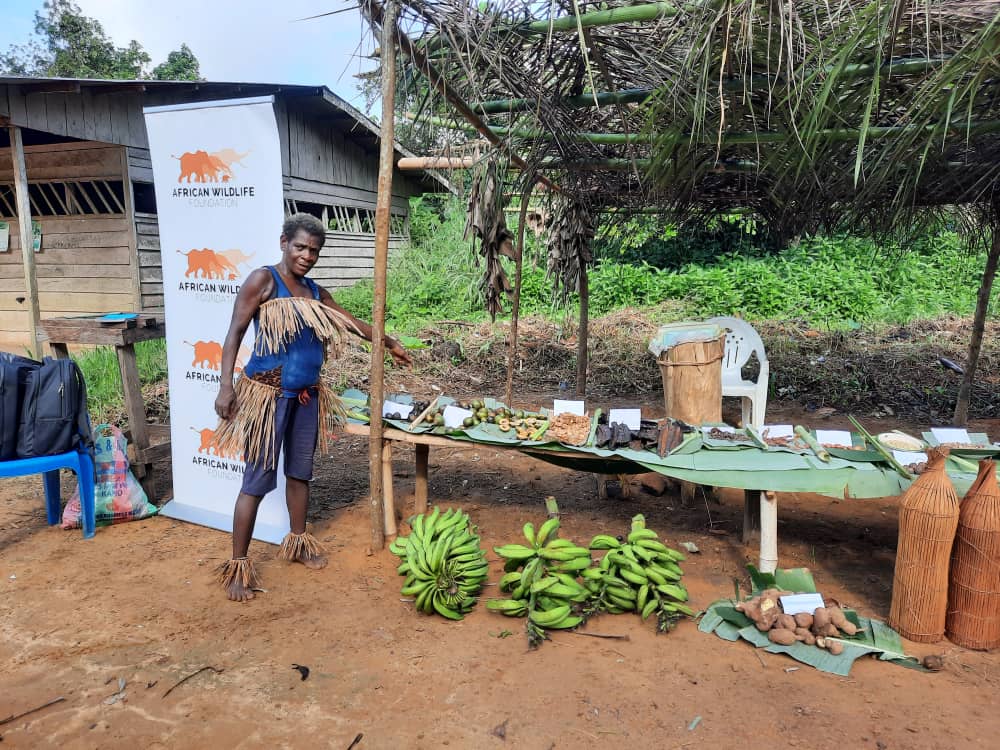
x,y
422,443
149,442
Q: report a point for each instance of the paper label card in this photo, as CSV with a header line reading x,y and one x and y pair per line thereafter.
x,y
797,603
4,236
567,407
454,416
951,435
391,407
908,458
631,418
778,431
834,437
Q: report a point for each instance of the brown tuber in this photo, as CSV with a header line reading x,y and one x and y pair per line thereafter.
x,y
835,647
803,634
850,628
821,618
787,622
782,636
804,620
837,616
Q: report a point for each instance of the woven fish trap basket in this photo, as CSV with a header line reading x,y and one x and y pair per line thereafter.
x,y
928,518
974,591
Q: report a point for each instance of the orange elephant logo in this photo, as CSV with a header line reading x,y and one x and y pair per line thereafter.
x,y
209,264
209,446
202,166
236,257
207,354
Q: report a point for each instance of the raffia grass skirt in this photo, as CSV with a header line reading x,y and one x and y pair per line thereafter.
x,y
251,432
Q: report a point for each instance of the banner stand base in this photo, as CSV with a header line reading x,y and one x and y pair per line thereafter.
x,y
262,532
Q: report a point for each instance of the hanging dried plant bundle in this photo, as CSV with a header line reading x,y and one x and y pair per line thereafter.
x,y
928,518
570,235
974,591
486,222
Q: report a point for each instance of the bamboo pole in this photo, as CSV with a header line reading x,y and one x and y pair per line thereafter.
x,y
735,85
388,492
516,306
383,207
409,163
628,14
26,236
979,322
437,81
582,334
727,139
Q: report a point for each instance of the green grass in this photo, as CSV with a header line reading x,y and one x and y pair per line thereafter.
x,y
836,282
104,383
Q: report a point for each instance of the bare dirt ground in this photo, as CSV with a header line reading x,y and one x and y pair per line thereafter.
x,y
138,602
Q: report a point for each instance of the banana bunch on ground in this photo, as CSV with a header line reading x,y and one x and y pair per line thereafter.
x,y
638,574
443,563
541,578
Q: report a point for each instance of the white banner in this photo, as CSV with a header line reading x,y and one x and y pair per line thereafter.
x,y
217,168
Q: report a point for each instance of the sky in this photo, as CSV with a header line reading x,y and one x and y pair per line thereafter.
x,y
234,40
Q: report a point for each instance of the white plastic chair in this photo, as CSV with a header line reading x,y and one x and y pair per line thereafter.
x,y
741,342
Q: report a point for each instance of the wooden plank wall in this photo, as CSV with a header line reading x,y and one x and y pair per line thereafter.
x,y
150,264
85,265
348,257
89,115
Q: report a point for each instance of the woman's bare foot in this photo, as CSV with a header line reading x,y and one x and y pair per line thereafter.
x,y
237,592
312,560
303,548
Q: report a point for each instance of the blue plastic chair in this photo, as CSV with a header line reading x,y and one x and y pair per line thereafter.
x,y
80,461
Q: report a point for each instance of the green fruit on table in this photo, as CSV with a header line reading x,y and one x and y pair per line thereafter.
x,y
438,420
468,422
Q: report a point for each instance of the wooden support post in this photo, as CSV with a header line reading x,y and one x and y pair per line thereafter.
x,y
136,410
388,491
383,207
516,307
979,323
582,334
26,236
768,532
751,516
421,455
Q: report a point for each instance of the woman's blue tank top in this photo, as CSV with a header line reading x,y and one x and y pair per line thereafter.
x,y
301,359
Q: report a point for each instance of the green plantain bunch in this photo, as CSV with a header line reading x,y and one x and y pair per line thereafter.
x,y
638,574
541,578
443,563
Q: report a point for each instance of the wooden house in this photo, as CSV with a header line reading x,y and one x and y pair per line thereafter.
x,y
84,152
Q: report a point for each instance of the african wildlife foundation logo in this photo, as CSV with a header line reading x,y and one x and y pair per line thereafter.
x,y
210,459
213,179
213,275
206,363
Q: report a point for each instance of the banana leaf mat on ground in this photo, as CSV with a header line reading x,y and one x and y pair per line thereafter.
x,y
700,460
873,637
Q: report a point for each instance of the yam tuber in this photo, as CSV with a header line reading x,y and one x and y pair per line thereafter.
x,y
804,620
837,616
781,636
787,622
821,618
835,647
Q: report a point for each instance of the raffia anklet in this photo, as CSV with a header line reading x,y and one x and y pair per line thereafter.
x,y
295,546
239,569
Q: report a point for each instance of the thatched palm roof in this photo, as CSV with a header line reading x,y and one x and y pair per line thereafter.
x,y
807,112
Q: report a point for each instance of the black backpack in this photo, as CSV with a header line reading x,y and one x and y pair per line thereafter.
x,y
14,371
54,412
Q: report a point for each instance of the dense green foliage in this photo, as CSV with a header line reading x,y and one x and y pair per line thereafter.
x,y
104,382
68,44
834,282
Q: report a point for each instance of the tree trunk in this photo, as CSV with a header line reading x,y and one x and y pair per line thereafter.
x,y
383,206
516,311
978,325
582,334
